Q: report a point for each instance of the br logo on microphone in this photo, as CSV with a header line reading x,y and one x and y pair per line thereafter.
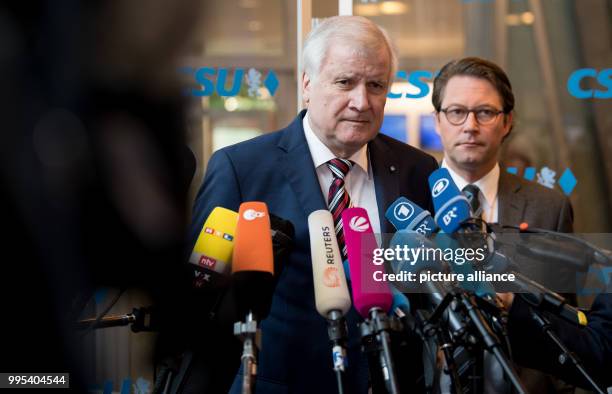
x,y
331,277
449,216
359,224
439,187
403,211
251,214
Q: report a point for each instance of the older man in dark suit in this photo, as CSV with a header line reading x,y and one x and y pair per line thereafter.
x,y
334,145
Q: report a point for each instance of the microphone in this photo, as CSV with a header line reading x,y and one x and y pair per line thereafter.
x,y
253,281
452,207
406,215
212,252
368,294
283,233
453,215
332,297
534,293
579,253
370,298
436,291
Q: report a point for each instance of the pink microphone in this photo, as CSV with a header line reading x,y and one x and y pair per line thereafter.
x,y
360,245
371,298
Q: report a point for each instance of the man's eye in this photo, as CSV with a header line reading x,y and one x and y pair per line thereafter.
x,y
342,82
486,113
456,112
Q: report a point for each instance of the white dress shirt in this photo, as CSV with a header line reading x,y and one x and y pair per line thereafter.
x,y
359,182
488,186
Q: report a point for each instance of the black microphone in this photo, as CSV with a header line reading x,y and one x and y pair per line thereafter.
x,y
436,291
534,293
578,252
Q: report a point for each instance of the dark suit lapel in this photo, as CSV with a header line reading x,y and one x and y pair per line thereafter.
x,y
297,166
385,169
511,206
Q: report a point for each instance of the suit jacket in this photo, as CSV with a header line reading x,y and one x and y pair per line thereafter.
x,y
520,201
277,169
526,201
592,344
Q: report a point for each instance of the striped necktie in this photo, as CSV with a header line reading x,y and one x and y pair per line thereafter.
x,y
338,198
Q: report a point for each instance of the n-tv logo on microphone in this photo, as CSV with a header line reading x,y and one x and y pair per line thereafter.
x,y
439,187
359,224
403,211
207,262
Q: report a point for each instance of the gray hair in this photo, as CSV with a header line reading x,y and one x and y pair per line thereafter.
x,y
356,30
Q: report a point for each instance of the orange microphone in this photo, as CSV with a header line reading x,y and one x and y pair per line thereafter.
x,y
253,282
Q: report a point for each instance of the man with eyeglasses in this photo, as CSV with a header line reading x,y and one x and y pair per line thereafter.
x,y
474,107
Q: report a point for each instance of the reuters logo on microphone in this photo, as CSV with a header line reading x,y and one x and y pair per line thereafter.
x,y
359,224
331,278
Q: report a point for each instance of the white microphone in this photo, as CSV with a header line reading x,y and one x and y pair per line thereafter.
x,y
331,291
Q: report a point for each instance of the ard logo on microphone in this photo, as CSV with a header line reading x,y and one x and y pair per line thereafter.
x,y
359,224
439,187
403,211
331,277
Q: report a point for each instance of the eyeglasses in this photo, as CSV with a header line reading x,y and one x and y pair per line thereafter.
x,y
457,115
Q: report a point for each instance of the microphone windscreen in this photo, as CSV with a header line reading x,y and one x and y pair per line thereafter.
x,y
253,244
452,207
406,215
214,246
360,245
331,290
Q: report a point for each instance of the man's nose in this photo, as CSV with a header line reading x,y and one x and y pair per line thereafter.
x,y
471,123
359,98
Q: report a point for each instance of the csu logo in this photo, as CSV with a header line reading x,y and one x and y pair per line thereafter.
x,y
403,211
416,79
439,187
576,86
205,77
359,224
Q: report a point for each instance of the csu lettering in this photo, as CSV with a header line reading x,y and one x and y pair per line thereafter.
x,y
576,87
416,79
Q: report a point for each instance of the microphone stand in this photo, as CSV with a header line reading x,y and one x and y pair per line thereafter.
x,y
378,326
337,332
566,354
140,319
490,340
430,327
249,334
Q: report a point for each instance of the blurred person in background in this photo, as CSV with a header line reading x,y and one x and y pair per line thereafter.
x,y
93,172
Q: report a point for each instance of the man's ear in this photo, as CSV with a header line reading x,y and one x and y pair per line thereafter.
x,y
306,84
508,123
437,122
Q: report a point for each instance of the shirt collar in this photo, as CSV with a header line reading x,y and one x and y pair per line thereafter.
x,y
321,154
488,184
